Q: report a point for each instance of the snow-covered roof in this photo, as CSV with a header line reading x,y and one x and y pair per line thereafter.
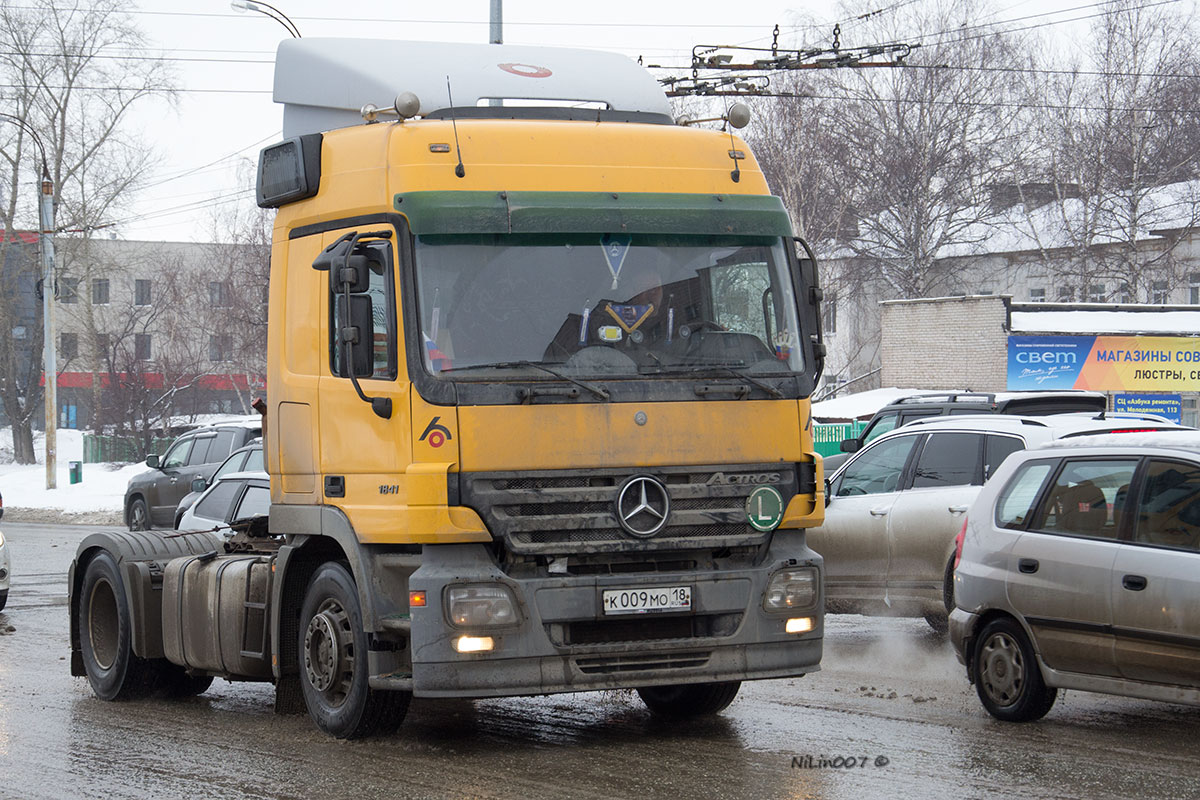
x,y
862,404
1145,319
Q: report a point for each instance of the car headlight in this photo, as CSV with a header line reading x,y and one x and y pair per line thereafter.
x,y
485,605
790,589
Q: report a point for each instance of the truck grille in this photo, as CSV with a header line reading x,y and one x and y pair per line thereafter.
x,y
558,513
649,629
608,665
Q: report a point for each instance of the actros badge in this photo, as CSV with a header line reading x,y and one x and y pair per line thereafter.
x,y
435,433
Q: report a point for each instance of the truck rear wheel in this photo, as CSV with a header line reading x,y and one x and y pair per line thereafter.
x,y
106,635
333,661
689,700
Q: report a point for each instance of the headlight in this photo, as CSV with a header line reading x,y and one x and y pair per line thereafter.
x,y
791,588
481,605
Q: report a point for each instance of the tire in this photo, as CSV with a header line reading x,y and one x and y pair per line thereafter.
x,y
106,635
941,622
139,515
3,599
333,661
689,700
1007,677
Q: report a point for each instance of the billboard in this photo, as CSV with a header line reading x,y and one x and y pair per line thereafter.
x,y
1105,363
1164,405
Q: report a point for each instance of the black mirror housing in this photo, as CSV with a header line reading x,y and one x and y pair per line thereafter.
x,y
152,461
851,445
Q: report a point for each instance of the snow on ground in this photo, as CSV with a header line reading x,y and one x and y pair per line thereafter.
x,y
24,485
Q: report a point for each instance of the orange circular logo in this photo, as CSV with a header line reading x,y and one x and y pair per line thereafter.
x,y
526,70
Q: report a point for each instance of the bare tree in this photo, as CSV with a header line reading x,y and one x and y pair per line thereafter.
x,y
58,81
1122,140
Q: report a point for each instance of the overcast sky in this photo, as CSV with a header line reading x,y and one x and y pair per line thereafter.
x,y
223,62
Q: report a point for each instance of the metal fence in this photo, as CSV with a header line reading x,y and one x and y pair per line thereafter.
x,y
827,436
105,449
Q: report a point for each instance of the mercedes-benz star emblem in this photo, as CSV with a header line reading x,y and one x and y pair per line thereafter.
x,y
643,506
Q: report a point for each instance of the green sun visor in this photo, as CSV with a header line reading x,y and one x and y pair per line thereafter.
x,y
593,212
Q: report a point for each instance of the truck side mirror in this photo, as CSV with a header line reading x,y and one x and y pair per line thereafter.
x,y
851,445
152,461
359,332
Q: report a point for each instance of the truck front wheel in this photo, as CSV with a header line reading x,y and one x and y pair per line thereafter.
x,y
333,661
106,634
689,700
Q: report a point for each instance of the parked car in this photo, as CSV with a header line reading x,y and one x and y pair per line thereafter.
x,y
940,404
236,496
5,570
153,495
1080,569
244,459
893,511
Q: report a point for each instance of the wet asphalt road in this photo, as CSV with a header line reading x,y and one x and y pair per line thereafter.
x,y
890,691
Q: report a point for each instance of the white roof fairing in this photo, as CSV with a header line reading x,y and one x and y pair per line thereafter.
x,y
324,83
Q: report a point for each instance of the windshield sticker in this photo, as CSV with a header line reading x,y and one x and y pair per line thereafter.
x,y
784,342
629,317
610,333
615,247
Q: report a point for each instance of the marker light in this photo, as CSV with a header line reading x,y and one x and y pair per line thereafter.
x,y
798,625
416,599
474,644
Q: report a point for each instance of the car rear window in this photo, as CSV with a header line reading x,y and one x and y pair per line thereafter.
x,y
1087,498
1169,511
948,459
1016,500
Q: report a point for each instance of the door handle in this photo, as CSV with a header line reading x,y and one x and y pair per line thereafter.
x,y
879,512
1028,565
1134,583
957,509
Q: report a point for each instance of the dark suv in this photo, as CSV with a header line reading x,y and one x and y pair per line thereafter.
x,y
153,495
937,404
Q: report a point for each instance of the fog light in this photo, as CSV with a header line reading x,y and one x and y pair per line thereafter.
x,y
798,625
474,644
488,604
791,588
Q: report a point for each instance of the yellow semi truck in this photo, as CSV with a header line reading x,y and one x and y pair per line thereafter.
x,y
540,360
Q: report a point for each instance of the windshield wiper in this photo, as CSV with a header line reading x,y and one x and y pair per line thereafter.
x,y
683,369
598,391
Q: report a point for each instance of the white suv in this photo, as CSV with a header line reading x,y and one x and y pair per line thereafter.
x,y
1080,569
893,510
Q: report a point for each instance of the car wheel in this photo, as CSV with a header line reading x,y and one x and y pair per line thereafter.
x,y
3,599
178,683
938,621
689,700
1007,677
333,661
139,515
106,634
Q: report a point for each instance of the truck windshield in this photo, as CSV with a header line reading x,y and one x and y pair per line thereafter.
x,y
605,305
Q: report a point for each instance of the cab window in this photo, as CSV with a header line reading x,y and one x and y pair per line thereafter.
x,y
381,293
1169,510
1016,501
200,451
878,469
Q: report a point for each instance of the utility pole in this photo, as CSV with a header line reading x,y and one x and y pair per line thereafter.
x,y
497,36
50,366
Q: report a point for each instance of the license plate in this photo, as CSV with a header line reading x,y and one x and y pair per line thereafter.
x,y
647,601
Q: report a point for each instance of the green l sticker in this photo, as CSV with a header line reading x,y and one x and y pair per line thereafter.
x,y
764,508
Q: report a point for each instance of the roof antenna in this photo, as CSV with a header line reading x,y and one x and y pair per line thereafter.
x,y
459,170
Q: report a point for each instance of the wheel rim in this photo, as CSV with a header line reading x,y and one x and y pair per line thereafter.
x,y
1002,669
103,624
329,652
138,515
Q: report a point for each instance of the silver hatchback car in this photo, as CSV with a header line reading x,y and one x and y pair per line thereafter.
x,y
1079,568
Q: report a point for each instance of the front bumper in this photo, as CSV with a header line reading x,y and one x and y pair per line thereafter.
x,y
564,642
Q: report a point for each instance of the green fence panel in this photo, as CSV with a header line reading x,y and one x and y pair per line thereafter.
x,y
108,449
828,436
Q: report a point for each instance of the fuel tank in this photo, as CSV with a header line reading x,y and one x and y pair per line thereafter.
x,y
215,614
